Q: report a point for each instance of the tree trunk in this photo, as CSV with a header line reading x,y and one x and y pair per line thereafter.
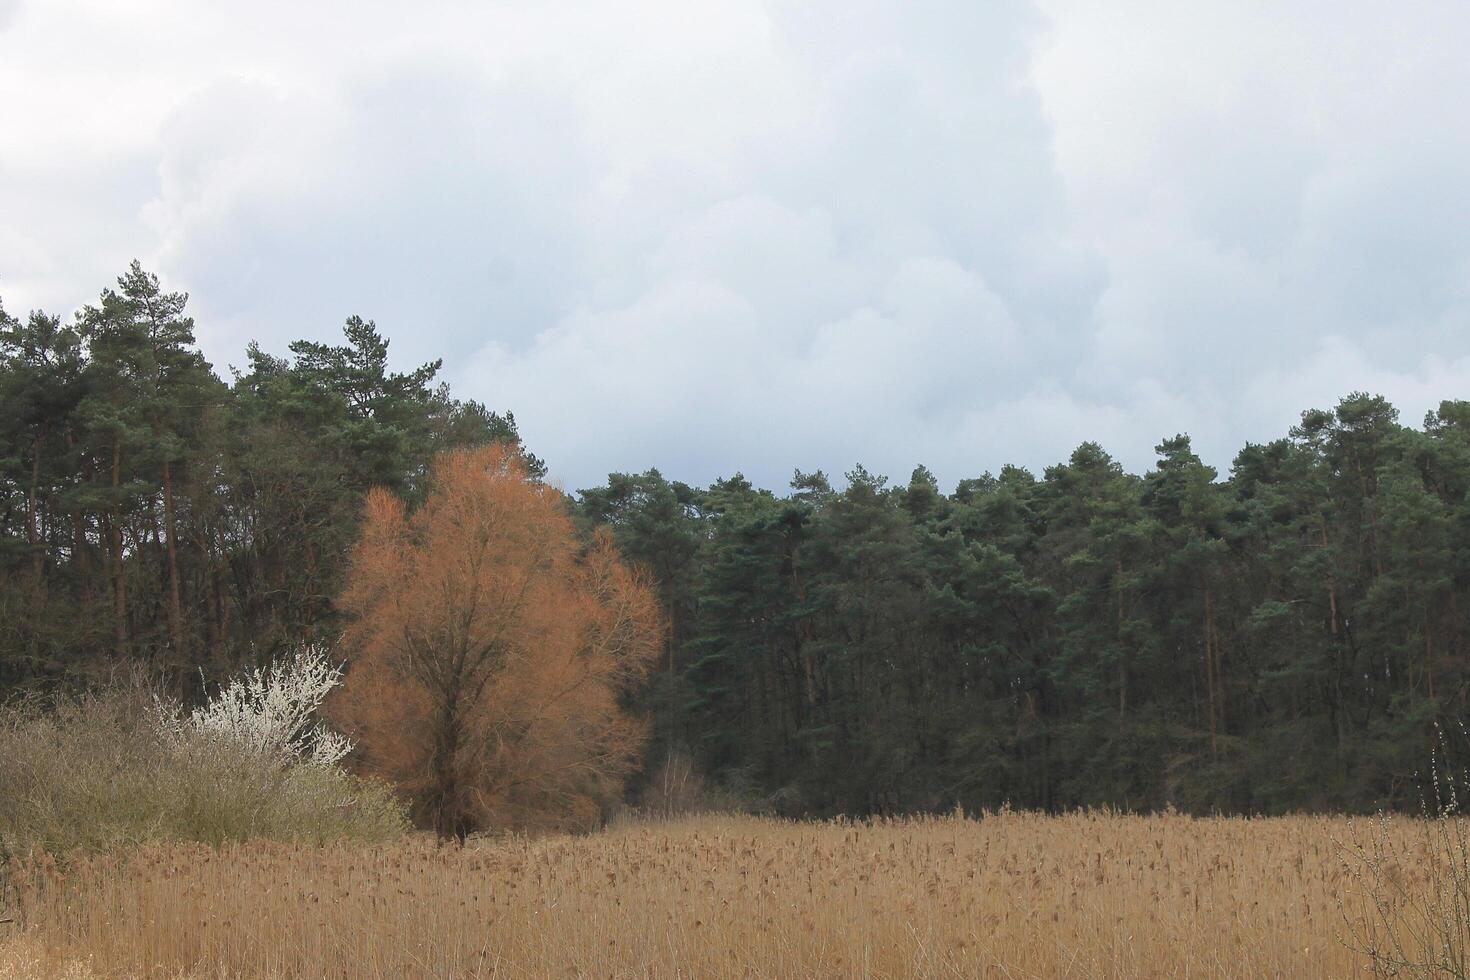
x,y
81,546
208,594
221,592
1429,653
1331,584
175,614
448,817
1122,662
1221,703
1211,675
115,536
32,535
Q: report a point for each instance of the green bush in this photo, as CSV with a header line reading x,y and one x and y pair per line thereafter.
x,y
98,772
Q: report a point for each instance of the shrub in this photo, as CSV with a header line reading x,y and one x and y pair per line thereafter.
x,y
110,769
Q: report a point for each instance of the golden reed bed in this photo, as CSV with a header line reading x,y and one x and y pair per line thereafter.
x,y
1010,895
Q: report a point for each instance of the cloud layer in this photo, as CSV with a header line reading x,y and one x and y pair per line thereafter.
x,y
757,236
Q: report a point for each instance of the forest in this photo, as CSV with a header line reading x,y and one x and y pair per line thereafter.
x,y
1282,637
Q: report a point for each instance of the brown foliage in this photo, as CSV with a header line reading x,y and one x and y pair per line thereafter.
x,y
490,651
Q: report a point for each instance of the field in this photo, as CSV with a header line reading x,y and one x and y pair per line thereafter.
x,y
1008,895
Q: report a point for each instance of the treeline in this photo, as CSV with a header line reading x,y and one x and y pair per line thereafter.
x,y
150,510
1284,638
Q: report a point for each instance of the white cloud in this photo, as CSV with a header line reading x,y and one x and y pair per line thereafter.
x,y
745,235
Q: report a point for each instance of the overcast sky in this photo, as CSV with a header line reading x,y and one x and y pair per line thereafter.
x,y
733,235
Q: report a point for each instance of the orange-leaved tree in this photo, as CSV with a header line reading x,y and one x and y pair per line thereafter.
x,y
490,651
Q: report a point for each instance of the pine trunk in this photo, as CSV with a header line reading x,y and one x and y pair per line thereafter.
x,y
1331,586
115,537
1122,664
1212,675
32,534
175,613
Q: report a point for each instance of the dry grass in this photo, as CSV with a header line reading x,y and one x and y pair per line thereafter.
x,y
1010,895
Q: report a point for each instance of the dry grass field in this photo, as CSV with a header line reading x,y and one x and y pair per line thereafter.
x,y
1009,895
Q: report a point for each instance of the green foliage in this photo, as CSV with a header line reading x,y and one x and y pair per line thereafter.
x,y
149,510
1283,639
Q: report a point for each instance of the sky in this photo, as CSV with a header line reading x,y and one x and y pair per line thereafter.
x,y
719,235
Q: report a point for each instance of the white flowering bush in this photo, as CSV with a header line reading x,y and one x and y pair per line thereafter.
x,y
270,712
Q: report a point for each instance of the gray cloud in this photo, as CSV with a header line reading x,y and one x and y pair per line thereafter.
x,y
763,236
